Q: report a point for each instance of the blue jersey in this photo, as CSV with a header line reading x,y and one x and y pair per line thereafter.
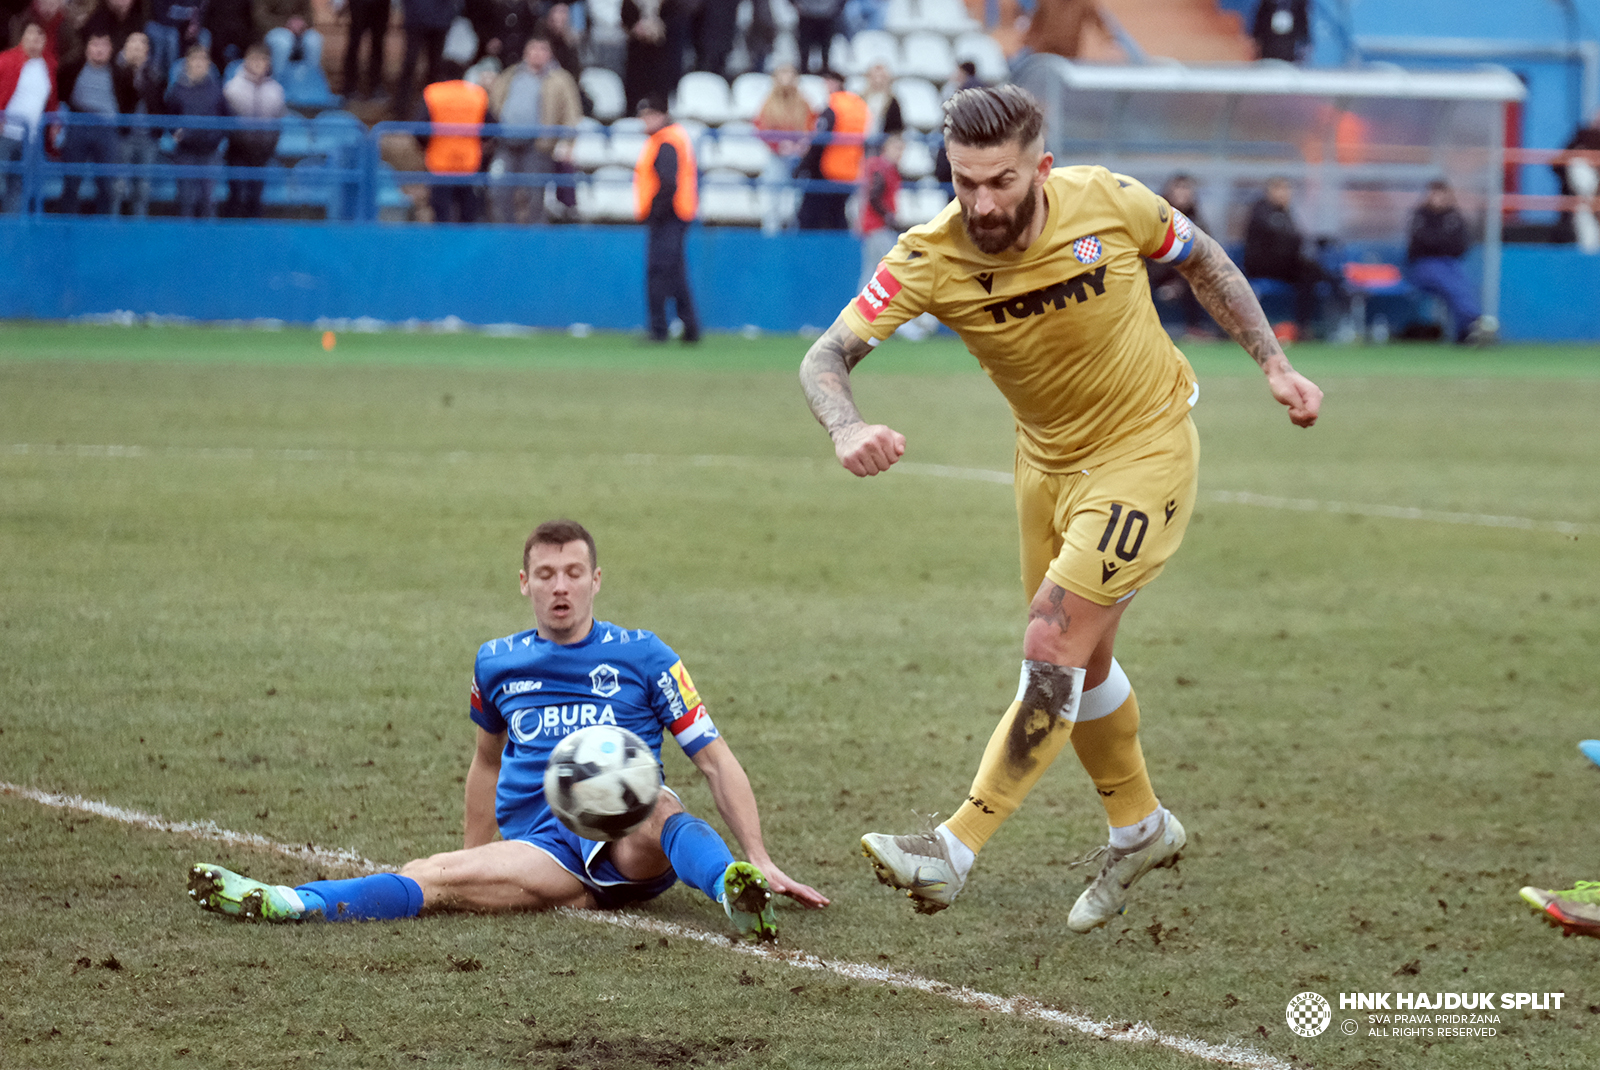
x,y
538,692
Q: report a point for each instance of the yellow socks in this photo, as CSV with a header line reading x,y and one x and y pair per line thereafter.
x,y
1023,745
1033,732
1109,749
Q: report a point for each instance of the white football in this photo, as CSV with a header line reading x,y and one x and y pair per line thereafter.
x,y
602,782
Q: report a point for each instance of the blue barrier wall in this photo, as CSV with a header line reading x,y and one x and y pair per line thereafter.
x,y
55,268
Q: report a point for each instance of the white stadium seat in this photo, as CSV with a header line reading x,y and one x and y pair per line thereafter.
x,y
625,147
815,90
919,103
591,149
608,196
949,17
737,147
873,46
917,161
784,15
750,91
985,52
605,90
607,13
784,50
703,96
918,204
904,16
728,197
926,54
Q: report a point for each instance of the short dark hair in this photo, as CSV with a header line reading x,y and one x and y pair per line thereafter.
x,y
559,533
987,116
1439,183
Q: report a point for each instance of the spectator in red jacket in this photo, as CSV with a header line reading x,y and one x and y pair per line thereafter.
x,y
880,185
60,33
27,91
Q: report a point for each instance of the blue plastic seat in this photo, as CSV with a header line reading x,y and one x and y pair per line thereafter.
x,y
295,141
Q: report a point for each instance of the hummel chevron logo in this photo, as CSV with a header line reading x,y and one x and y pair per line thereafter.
x,y
1172,507
986,280
1107,570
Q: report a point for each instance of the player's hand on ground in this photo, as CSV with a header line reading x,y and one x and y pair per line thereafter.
x,y
1300,394
867,449
780,883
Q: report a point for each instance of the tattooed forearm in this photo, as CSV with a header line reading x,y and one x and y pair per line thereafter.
x,y
1225,293
825,376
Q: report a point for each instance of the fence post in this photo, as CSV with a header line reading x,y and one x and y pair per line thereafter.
x,y
32,161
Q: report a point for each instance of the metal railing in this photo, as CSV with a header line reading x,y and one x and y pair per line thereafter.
x,y
350,181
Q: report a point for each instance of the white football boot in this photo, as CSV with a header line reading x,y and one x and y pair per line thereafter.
x,y
920,863
1107,896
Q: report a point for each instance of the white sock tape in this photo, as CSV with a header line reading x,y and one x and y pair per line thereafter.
x,y
1103,699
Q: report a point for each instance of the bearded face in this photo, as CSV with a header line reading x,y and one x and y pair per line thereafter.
x,y
999,188
998,230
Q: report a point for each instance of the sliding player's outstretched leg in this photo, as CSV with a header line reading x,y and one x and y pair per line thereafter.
x,y
223,891
932,866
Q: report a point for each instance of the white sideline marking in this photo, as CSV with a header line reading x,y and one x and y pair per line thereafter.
x,y
942,471
1016,1006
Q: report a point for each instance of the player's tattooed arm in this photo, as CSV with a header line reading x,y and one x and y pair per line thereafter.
x,y
1223,291
825,376
864,449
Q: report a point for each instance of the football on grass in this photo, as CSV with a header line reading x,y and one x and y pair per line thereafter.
x,y
602,782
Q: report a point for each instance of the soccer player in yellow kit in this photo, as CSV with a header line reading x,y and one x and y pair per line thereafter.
x,y
1040,272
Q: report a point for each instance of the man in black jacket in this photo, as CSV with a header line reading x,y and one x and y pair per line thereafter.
x,y
141,88
1273,250
1439,238
1283,29
427,22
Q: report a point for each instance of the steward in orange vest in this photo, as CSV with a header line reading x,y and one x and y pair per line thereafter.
x,y
460,103
666,187
844,120
668,153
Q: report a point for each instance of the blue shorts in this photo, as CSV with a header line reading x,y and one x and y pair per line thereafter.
x,y
590,862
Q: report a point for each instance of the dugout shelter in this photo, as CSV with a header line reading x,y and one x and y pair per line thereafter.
x,y
1360,144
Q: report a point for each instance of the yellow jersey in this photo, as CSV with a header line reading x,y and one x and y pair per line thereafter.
x,y
1066,329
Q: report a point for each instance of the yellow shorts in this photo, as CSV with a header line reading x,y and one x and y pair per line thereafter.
x,y
1106,532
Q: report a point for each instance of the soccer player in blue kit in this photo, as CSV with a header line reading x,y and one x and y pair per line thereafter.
x,y
529,691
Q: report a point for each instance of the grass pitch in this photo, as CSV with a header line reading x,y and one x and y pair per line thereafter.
x,y
244,580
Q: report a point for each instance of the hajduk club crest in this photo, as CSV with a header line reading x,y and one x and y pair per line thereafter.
x,y
1087,250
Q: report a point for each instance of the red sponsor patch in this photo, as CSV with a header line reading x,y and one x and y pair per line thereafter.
x,y
877,294
477,699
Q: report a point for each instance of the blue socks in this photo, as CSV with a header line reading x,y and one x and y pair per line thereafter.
x,y
380,897
696,852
